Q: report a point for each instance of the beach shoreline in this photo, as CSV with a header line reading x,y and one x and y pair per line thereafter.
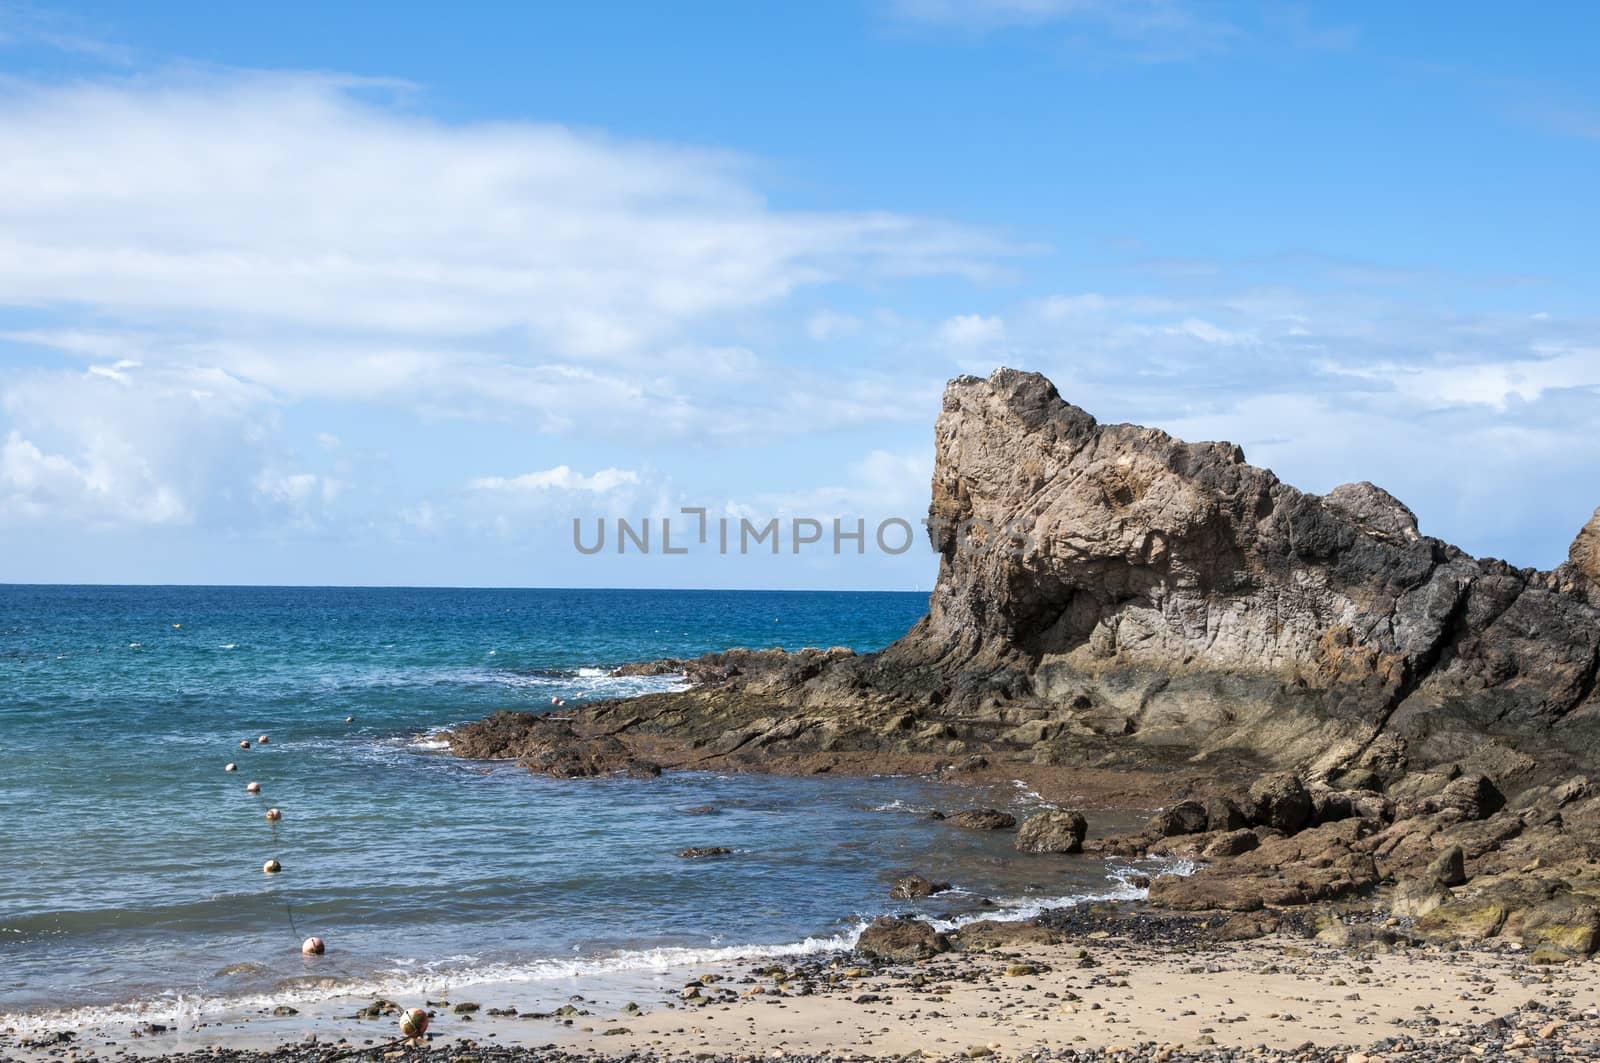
x,y
1111,979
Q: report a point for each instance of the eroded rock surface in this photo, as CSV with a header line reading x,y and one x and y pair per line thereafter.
x,y
1112,598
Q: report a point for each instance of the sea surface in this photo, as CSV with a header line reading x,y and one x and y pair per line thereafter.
x,y
131,874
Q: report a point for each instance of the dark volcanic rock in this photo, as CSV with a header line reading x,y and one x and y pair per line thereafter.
x,y
901,940
912,887
547,746
1054,831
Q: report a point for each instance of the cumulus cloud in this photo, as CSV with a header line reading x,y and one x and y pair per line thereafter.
x,y
206,249
128,444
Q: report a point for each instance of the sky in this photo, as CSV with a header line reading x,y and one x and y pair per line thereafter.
x,y
386,294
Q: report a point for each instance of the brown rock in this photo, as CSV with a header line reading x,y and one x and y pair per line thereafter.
x,y
1185,817
1053,831
982,819
901,940
1449,867
1233,843
1281,801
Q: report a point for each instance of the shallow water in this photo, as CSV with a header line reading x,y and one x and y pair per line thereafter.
x,y
133,861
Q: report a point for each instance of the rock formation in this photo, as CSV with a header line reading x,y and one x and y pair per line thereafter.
x,y
1111,596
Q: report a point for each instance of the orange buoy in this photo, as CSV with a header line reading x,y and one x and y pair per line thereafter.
x,y
261,741
312,947
273,815
231,766
272,867
414,1023
252,788
245,744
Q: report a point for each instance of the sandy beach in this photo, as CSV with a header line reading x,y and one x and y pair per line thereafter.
x,y
1135,987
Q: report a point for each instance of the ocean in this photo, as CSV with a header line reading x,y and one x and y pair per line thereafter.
x,y
131,878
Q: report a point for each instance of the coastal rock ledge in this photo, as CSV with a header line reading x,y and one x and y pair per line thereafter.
x,y
1110,597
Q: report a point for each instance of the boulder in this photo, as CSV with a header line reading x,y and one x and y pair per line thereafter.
x,y
1185,817
901,940
1281,801
1474,796
1449,868
1233,843
998,934
1224,813
1054,831
912,887
982,819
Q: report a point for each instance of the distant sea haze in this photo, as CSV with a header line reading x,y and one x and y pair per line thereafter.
x,y
134,860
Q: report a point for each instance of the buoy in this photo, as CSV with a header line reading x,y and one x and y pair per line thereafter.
x,y
414,1023
349,719
231,767
272,867
554,700
252,788
245,744
312,947
273,815
261,741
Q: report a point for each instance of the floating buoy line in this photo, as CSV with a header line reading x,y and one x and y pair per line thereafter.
x,y
414,1021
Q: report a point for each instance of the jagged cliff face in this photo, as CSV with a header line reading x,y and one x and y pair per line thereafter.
x,y
1174,593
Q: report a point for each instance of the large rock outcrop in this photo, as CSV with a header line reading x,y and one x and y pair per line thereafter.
x,y
1110,595
1173,593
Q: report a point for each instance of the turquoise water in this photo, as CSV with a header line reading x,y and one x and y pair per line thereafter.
x,y
132,860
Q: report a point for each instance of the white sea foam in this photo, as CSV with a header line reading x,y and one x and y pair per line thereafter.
x,y
411,977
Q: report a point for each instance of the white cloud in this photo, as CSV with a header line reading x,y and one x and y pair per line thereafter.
x,y
972,330
560,478
289,201
129,444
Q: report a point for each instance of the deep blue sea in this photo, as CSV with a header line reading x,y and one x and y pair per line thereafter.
x,y
131,862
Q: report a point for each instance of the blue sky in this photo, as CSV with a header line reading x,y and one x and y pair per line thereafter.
x,y
382,294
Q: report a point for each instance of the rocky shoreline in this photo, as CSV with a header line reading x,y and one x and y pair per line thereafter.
x,y
1095,982
1329,706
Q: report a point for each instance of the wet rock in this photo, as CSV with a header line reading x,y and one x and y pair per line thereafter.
x,y
1055,831
982,819
901,940
700,851
912,887
547,746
